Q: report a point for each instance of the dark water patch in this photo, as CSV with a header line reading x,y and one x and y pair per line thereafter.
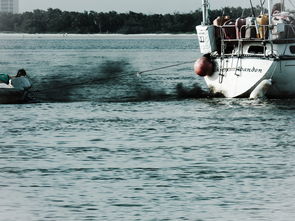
x,y
66,87
136,169
92,209
96,140
144,93
15,170
112,80
138,189
43,171
207,198
109,81
94,158
56,200
108,178
77,150
127,205
72,207
4,63
195,91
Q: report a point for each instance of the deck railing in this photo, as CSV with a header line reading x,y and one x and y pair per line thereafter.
x,y
257,32
232,38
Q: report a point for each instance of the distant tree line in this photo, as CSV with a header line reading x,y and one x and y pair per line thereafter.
x,y
57,21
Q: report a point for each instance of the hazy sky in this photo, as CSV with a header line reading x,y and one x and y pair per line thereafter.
x,y
145,6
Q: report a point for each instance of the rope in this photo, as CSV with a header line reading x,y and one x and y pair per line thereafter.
x,y
79,83
160,68
108,78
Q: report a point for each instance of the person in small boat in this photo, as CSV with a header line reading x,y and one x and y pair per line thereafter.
x,y
21,73
21,81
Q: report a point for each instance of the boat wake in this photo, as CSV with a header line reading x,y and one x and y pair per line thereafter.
x,y
111,81
195,91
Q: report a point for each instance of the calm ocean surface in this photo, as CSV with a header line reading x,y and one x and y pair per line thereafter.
x,y
98,142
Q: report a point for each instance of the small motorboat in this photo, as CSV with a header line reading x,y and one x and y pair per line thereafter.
x,y
15,91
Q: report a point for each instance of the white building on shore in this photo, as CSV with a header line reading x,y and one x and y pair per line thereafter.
x,y
10,6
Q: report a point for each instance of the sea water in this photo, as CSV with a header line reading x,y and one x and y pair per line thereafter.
x,y
97,141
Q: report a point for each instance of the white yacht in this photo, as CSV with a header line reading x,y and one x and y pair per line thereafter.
x,y
249,57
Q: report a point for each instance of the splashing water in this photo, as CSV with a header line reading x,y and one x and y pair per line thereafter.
x,y
191,92
114,81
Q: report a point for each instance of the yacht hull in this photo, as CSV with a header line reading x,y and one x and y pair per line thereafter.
x,y
238,77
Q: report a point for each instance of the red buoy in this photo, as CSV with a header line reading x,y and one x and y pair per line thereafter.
x,y
203,67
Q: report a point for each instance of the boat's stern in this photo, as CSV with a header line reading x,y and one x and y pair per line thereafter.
x,y
238,77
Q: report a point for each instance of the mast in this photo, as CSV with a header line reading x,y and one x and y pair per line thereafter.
x,y
269,18
205,6
283,5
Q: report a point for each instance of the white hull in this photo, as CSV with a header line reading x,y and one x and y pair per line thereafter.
x,y
283,80
253,55
238,77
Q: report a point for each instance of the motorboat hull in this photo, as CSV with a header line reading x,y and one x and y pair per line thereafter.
x,y
16,91
12,96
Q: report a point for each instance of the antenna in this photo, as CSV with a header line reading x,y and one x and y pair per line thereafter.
x,y
283,5
205,12
269,2
262,6
252,8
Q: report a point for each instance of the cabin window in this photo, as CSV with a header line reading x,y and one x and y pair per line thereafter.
x,y
256,49
292,49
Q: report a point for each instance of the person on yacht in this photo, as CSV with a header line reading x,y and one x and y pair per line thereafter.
x,y
277,8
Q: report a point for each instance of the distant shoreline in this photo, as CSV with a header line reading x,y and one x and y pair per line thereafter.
x,y
65,35
57,21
